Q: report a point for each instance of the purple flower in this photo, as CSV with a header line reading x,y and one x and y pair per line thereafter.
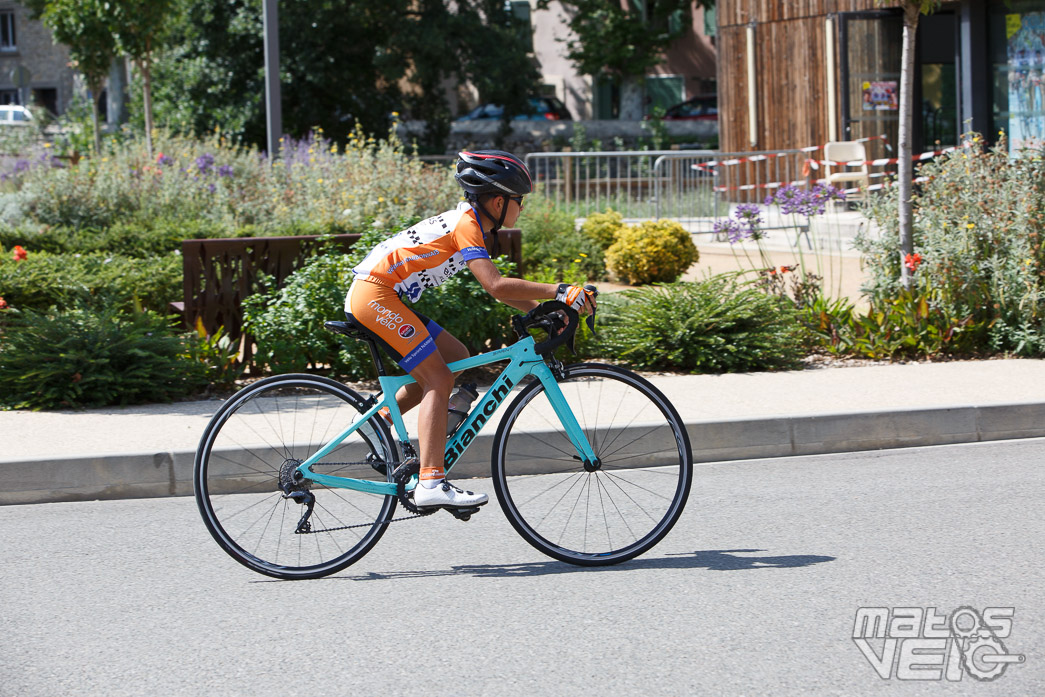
x,y
204,163
21,166
791,199
748,217
211,188
732,229
164,160
225,171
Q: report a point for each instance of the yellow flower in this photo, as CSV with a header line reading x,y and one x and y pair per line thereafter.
x,y
583,254
380,199
319,181
970,226
47,145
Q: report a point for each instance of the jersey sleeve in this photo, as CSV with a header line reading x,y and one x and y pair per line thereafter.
x,y
468,238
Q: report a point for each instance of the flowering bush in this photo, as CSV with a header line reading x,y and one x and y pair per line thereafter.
x,y
553,250
603,228
652,252
978,225
314,185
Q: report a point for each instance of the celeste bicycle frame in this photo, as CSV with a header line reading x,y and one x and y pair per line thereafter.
x,y
523,361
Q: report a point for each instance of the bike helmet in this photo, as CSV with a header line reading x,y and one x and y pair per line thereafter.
x,y
492,172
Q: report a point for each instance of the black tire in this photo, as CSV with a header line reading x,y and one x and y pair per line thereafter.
x,y
261,431
611,514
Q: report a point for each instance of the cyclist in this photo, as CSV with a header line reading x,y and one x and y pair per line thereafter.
x,y
423,256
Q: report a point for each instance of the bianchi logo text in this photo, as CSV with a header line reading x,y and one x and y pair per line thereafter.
x,y
913,643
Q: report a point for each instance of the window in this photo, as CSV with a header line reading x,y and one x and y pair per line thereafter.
x,y
7,31
519,14
9,97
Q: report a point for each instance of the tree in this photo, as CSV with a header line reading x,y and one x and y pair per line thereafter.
x,y
912,11
83,26
341,64
136,27
624,42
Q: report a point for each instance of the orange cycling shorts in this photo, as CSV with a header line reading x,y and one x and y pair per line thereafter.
x,y
407,336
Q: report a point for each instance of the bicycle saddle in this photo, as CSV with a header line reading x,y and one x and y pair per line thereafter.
x,y
350,328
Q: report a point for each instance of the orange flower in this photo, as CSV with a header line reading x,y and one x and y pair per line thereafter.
x,y
913,261
20,254
3,304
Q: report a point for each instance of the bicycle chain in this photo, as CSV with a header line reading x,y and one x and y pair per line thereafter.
x,y
400,477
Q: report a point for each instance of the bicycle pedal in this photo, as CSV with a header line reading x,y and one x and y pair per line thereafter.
x,y
463,513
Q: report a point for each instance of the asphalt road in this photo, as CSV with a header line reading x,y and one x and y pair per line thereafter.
x,y
754,592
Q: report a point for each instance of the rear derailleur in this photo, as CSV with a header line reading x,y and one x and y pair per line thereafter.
x,y
292,484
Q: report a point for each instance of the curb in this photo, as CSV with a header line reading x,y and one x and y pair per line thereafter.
x,y
150,475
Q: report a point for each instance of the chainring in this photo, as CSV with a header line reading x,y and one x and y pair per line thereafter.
x,y
401,476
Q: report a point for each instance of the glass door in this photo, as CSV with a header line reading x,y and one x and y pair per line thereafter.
x,y
870,48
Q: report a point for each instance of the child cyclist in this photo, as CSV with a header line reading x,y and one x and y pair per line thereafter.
x,y
423,256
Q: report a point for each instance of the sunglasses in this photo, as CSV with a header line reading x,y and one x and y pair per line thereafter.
x,y
517,199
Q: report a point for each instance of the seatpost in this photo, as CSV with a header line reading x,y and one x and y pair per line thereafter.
x,y
378,363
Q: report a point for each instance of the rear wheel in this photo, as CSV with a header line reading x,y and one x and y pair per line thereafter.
x,y
246,490
600,513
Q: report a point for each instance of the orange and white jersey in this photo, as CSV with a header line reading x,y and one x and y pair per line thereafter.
x,y
425,255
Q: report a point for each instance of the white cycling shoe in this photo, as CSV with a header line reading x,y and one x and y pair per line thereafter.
x,y
446,495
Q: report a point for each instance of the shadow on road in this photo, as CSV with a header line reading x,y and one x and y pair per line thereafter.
x,y
712,560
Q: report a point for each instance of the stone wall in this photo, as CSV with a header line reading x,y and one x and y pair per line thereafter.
x,y
551,136
46,61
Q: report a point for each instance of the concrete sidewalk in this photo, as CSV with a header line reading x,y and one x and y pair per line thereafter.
x,y
148,450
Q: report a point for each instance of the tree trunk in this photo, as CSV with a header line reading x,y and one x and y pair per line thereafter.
x,y
905,168
147,95
631,98
95,90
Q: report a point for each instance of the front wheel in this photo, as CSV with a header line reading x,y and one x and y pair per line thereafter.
x,y
593,516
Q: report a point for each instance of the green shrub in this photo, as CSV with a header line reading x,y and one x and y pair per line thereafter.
x,y
713,326
287,324
603,228
553,250
43,280
978,226
651,252
94,356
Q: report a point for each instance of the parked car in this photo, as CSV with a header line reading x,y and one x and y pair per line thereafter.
x,y
703,108
14,115
541,108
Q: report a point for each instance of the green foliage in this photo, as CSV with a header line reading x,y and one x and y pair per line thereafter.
x,y
651,252
712,326
618,38
43,280
553,250
209,69
94,356
603,228
287,323
211,188
977,230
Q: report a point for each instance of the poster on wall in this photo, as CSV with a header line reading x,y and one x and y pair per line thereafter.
x,y
1025,35
881,96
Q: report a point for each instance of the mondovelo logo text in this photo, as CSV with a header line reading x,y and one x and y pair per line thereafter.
x,y
391,319
913,643
466,434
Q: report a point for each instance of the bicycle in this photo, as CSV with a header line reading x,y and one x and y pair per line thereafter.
x,y
594,473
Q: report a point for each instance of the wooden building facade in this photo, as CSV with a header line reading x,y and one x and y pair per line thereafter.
x,y
797,73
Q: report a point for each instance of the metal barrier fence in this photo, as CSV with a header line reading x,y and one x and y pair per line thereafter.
x,y
695,186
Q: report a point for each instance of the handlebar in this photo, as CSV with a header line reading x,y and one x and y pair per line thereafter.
x,y
548,316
